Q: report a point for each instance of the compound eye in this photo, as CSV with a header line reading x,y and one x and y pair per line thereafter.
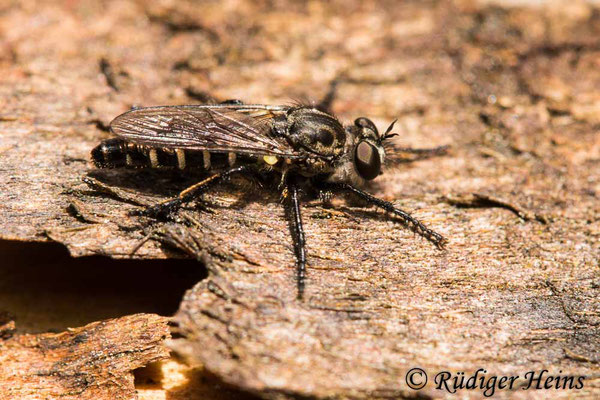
x,y
363,122
367,161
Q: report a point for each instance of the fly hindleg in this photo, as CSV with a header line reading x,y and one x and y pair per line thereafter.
x,y
166,207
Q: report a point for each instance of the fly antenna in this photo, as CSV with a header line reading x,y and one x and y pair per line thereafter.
x,y
387,133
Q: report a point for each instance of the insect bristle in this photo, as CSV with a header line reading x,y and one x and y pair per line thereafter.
x,y
300,102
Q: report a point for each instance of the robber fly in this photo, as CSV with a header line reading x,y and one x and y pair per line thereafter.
x,y
299,146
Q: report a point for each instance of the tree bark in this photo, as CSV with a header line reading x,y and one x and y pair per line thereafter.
x,y
92,362
513,90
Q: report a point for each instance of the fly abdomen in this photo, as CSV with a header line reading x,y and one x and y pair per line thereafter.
x,y
117,153
110,153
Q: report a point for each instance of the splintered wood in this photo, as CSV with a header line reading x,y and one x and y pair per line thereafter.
x,y
92,362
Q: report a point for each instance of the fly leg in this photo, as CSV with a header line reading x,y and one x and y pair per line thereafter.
x,y
421,154
434,151
166,207
233,102
407,220
297,231
327,100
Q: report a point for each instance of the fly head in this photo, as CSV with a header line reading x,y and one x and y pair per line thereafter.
x,y
368,154
364,153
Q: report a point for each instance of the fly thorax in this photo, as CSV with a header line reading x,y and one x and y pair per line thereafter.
x,y
315,132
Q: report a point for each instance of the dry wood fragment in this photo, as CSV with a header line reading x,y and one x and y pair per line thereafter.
x,y
485,200
7,325
95,361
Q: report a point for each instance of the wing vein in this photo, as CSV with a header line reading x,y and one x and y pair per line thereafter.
x,y
217,128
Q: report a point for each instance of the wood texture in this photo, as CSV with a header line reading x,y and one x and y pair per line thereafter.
x,y
513,90
92,362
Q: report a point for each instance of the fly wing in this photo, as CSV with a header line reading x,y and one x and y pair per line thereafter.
x,y
218,128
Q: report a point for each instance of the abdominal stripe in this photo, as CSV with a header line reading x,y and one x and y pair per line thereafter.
x,y
117,153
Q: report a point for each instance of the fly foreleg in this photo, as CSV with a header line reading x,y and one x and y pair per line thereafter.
x,y
420,154
407,220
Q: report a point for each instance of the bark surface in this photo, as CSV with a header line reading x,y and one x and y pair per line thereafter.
x,y
513,90
92,362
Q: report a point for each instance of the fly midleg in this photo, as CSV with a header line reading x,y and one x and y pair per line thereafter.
x,y
297,236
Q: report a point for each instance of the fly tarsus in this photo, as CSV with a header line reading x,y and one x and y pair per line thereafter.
x,y
429,152
160,211
298,237
407,220
234,102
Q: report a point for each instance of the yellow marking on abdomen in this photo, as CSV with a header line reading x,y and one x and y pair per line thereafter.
x,y
231,159
180,158
206,158
153,158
